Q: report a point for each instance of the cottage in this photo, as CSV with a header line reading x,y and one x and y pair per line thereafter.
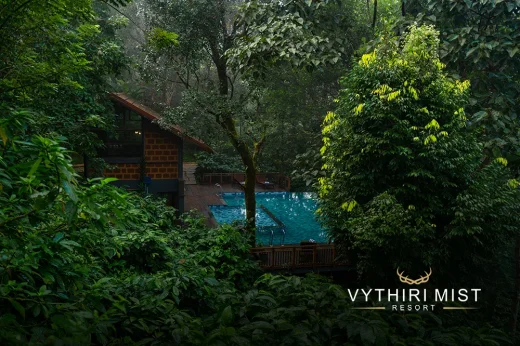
x,y
144,153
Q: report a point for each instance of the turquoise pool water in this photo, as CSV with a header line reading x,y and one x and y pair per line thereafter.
x,y
228,214
295,211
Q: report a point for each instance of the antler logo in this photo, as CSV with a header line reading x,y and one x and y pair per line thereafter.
x,y
421,280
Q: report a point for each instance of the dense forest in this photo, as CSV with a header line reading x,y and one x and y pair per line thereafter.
x,y
402,117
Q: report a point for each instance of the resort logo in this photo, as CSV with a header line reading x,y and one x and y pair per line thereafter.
x,y
421,280
415,299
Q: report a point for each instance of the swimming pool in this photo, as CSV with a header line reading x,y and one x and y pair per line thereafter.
x,y
294,210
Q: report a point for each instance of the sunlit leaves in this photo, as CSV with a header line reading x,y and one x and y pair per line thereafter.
x,y
430,139
162,39
367,59
433,125
501,160
348,206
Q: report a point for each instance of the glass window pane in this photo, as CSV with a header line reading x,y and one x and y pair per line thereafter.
x,y
133,116
127,140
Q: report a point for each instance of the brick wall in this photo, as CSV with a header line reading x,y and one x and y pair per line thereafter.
x,y
161,155
162,170
125,171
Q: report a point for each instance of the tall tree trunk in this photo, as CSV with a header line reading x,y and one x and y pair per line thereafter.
x,y
250,198
247,155
368,11
374,19
516,298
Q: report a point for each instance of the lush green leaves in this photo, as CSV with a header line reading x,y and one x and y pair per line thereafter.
x,y
57,59
112,267
405,183
303,33
480,41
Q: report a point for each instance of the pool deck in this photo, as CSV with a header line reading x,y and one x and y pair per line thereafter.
x,y
199,197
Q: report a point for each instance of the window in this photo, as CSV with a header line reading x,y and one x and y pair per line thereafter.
x,y
127,139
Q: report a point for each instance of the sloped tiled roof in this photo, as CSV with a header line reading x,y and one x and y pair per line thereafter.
x,y
150,114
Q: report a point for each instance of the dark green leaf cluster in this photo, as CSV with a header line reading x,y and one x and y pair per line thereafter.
x,y
91,261
480,41
57,59
217,163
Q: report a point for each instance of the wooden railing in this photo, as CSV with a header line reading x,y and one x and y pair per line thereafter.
x,y
280,180
297,256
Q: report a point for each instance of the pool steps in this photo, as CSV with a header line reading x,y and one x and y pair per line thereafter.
x,y
278,222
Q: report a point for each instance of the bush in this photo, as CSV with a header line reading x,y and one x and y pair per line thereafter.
x,y
82,261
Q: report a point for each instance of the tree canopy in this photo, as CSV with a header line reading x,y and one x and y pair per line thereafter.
x,y
414,105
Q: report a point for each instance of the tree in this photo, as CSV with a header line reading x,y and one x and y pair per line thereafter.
x,y
405,183
480,43
297,101
57,59
223,48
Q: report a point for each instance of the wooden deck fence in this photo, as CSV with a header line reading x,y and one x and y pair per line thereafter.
x,y
280,180
297,256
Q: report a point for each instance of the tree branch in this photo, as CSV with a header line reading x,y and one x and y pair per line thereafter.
x,y
258,147
6,20
17,217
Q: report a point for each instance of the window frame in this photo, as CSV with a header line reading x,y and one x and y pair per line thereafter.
x,y
120,131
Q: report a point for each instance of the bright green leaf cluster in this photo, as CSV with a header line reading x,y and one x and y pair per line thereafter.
x,y
404,172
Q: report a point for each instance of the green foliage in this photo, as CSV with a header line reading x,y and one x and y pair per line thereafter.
x,y
82,262
41,58
405,184
87,263
216,163
92,264
480,43
162,39
303,33
60,70
296,101
220,40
